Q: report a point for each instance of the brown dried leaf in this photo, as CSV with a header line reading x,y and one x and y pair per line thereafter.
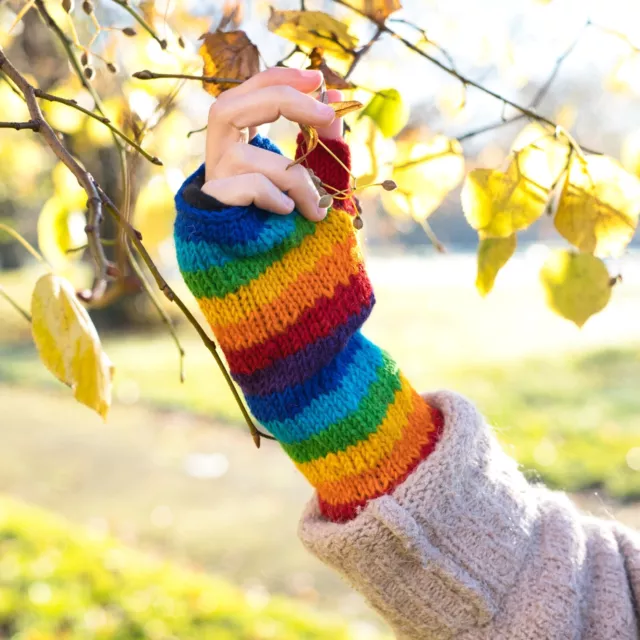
x,y
332,79
228,55
343,108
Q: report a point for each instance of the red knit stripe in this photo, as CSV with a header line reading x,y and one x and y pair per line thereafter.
x,y
328,169
348,511
315,323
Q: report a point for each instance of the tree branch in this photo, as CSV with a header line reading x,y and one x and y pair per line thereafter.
x,y
145,74
124,4
452,72
135,238
102,119
31,124
94,203
23,312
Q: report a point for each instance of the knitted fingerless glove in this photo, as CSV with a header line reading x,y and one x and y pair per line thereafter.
x,y
286,298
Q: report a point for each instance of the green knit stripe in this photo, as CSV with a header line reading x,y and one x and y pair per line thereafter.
x,y
359,425
218,281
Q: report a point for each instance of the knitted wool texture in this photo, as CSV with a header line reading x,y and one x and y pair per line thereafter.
x,y
285,298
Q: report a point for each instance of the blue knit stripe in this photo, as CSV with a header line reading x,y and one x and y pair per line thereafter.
x,y
293,400
332,407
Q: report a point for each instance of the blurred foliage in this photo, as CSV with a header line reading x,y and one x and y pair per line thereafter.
x,y
58,582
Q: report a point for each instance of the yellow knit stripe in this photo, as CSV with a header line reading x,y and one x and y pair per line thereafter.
x,y
269,319
239,305
366,454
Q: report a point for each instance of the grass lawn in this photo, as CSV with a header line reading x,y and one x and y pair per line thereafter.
x,y
57,582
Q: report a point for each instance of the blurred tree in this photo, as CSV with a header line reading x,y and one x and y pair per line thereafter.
x,y
110,89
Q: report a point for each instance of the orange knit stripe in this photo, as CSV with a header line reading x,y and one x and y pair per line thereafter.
x,y
377,481
270,319
238,305
368,453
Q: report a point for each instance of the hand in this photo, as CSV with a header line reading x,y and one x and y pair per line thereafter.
x,y
238,174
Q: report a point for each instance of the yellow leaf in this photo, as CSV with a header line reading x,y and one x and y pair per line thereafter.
x,y
60,231
541,157
425,172
577,285
599,206
68,343
388,111
493,254
497,204
314,29
228,54
343,108
379,10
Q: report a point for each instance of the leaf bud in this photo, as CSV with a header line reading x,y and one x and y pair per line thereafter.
x,y
89,72
87,7
112,67
129,31
181,42
84,59
325,201
357,223
389,185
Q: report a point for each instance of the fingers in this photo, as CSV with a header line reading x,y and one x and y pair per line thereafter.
x,y
334,130
295,181
258,101
305,81
250,188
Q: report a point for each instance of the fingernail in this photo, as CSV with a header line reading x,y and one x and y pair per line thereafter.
x,y
309,73
322,214
288,202
325,110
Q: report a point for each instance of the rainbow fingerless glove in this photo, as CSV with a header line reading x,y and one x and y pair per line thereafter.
x,y
286,299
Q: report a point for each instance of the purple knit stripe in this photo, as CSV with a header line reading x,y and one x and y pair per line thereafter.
x,y
299,366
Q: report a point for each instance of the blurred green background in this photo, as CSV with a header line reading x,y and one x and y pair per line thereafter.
x,y
165,522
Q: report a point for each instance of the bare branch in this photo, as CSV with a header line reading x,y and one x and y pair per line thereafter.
x,y
363,51
103,120
530,113
23,312
145,74
31,124
94,203
135,238
141,21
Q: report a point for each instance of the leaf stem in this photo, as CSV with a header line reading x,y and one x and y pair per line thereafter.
x,y
23,312
27,245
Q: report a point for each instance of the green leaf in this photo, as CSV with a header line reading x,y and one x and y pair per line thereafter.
x,y
388,111
493,254
577,285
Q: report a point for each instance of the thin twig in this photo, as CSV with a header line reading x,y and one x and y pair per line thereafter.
x,y
31,124
94,203
141,21
134,237
103,120
23,312
464,79
363,51
27,245
200,130
164,316
145,74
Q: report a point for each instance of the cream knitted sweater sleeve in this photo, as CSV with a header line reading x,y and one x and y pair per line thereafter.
x,y
466,548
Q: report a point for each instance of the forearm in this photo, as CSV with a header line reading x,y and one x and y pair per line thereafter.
x,y
286,298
